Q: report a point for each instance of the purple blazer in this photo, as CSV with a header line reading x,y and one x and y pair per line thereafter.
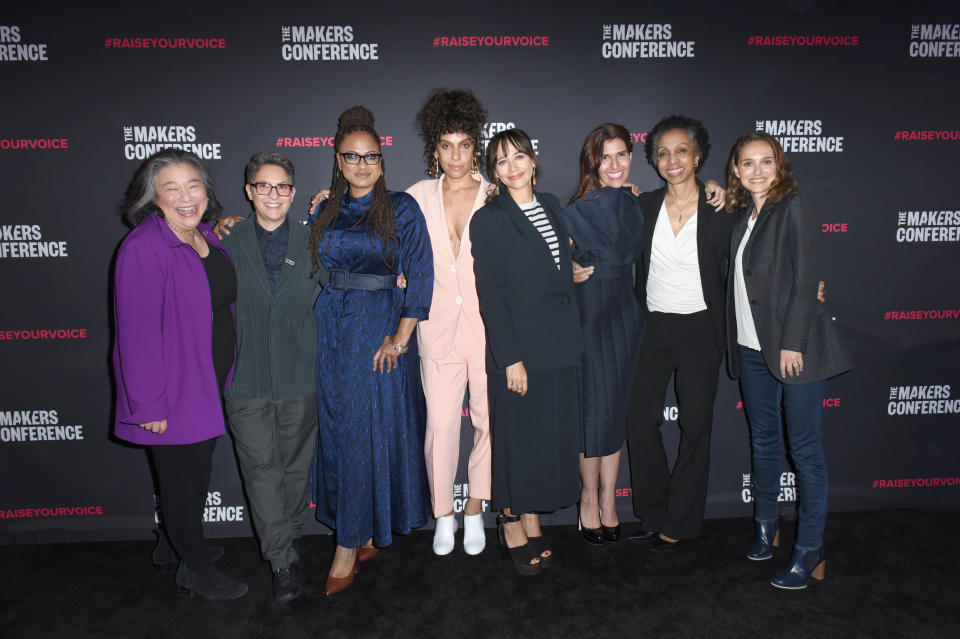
x,y
163,352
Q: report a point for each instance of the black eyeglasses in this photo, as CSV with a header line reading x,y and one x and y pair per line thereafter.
x,y
354,158
264,188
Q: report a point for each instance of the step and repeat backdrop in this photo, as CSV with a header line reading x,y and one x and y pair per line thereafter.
x,y
864,103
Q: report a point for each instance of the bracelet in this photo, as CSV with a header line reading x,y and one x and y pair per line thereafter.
x,y
398,348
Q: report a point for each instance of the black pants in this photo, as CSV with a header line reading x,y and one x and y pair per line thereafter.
x,y
673,503
183,476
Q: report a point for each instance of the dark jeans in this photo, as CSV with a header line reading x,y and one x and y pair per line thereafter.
x,y
276,443
803,405
673,503
183,476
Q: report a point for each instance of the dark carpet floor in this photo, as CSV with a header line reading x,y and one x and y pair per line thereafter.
x,y
889,574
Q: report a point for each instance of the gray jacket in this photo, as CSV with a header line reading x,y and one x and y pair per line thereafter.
x,y
781,268
276,334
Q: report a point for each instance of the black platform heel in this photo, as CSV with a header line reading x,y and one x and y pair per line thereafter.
x,y
526,558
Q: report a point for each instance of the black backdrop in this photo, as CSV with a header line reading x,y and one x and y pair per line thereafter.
x,y
865,100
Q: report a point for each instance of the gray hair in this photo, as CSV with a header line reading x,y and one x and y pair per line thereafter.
x,y
140,196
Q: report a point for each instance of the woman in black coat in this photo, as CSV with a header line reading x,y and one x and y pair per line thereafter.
x,y
525,285
782,345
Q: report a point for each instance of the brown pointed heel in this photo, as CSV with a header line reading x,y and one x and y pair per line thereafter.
x,y
336,584
364,553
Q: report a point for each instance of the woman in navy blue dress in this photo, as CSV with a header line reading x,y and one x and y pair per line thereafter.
x,y
370,476
606,226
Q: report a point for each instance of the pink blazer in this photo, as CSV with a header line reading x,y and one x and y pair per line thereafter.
x,y
455,304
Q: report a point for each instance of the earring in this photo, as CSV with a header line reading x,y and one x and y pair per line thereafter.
x,y
696,165
476,164
534,176
434,169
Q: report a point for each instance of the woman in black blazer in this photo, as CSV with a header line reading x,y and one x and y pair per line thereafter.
x,y
782,345
525,285
681,287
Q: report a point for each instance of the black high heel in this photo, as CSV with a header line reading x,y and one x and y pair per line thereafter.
x,y
526,558
611,533
592,536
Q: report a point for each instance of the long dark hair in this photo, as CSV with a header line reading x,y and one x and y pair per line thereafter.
x,y
378,220
738,197
591,156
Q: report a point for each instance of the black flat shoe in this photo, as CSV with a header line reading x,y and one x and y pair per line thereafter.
x,y
286,584
662,545
611,533
645,535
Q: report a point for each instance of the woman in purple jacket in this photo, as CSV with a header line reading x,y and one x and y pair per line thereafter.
x,y
174,289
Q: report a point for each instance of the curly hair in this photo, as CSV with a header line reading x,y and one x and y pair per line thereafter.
x,y
738,197
378,220
456,111
139,201
591,156
693,128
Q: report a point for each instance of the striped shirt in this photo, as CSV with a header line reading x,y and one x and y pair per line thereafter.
x,y
534,212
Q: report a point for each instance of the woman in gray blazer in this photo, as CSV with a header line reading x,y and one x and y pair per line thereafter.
x,y
781,344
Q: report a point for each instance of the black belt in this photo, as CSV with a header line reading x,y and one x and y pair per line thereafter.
x,y
340,279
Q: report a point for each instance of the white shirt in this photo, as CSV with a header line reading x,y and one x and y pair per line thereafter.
x,y
673,283
746,329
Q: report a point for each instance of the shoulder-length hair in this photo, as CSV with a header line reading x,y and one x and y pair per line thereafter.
x,y
520,141
591,156
738,197
140,199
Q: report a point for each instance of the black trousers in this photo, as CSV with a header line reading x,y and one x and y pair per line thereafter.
x,y
183,476
684,345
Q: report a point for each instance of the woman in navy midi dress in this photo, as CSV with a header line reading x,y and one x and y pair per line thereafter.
x,y
370,475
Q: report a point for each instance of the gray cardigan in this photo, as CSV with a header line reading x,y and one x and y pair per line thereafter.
x,y
276,335
781,267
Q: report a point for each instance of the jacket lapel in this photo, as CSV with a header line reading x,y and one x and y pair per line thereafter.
x,y
545,258
297,241
250,249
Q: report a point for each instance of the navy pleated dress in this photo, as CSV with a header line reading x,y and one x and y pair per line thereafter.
x,y
607,229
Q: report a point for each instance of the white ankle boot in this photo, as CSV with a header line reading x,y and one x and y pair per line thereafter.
x,y
443,535
474,539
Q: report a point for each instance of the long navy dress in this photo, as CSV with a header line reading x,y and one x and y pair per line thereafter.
x,y
370,475
607,229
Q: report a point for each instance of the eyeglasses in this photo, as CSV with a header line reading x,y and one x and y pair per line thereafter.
x,y
264,188
354,158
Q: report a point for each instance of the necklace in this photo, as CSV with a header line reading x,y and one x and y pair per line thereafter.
x,y
683,207
179,232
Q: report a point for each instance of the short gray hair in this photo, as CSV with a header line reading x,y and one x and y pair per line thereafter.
x,y
139,200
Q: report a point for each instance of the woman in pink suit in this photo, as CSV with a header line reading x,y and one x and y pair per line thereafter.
x,y
452,341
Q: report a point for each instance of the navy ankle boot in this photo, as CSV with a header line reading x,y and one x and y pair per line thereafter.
x,y
803,565
765,539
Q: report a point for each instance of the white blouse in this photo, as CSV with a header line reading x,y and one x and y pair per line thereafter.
x,y
746,329
673,283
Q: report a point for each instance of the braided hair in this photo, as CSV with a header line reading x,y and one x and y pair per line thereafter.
x,y
378,220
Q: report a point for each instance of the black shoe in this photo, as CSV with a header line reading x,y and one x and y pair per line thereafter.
x,y
209,583
611,533
662,545
592,535
645,535
286,584
164,559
